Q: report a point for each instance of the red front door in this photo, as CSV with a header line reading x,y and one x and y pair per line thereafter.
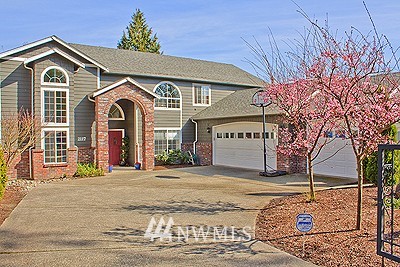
x,y
114,147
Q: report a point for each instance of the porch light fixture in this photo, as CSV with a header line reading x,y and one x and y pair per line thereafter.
x,y
208,130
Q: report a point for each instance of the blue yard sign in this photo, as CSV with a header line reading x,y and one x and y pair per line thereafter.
x,y
304,222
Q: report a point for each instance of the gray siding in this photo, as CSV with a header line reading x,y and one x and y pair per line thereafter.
x,y
15,86
85,83
167,118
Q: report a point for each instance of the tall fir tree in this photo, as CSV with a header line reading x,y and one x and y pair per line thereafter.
x,y
138,36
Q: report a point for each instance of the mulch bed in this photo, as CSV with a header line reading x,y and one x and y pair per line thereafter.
x,y
333,240
12,196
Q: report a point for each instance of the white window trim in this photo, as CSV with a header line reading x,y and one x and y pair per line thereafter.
x,y
43,140
118,130
159,97
54,84
171,129
42,106
194,93
120,110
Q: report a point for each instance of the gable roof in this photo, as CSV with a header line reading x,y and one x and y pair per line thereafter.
x,y
237,104
57,40
52,51
118,83
129,62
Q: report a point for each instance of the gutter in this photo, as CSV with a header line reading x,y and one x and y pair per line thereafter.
x,y
199,80
195,135
32,114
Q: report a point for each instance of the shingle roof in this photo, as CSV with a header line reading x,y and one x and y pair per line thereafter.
x,y
154,65
237,104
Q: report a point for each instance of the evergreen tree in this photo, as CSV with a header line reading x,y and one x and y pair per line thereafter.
x,y
138,36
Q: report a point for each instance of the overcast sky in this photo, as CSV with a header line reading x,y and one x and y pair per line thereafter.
x,y
201,29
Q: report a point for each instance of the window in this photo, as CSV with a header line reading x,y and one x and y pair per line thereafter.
x,y
201,95
55,99
55,146
54,75
116,113
55,108
232,135
240,135
219,135
256,135
170,97
166,140
248,135
226,135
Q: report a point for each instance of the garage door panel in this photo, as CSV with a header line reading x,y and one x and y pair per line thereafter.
x,y
336,159
243,152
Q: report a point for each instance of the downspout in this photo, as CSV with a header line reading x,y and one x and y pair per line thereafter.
x,y
32,114
195,136
91,100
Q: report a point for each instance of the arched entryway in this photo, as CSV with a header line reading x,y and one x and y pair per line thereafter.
x,y
124,90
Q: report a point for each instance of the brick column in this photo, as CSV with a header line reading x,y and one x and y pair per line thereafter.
x,y
101,118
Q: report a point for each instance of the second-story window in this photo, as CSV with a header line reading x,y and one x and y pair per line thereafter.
x,y
170,97
55,106
55,76
201,95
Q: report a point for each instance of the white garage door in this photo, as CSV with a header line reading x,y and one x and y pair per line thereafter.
x,y
336,159
241,145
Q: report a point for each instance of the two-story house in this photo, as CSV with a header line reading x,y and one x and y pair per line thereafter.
x,y
89,97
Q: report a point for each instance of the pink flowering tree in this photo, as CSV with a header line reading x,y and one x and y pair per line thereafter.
x,y
360,83
308,114
329,82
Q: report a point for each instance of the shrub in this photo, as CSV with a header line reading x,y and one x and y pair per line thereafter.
x,y
173,157
371,163
3,174
88,170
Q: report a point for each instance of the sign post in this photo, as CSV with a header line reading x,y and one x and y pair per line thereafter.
x,y
304,223
262,99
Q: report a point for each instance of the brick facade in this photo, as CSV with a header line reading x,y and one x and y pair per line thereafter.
x,y
145,102
187,147
86,154
43,171
204,153
20,167
291,164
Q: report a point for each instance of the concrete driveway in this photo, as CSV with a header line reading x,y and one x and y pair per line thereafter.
x,y
102,221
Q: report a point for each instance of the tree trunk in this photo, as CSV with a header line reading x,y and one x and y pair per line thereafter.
x,y
311,178
359,197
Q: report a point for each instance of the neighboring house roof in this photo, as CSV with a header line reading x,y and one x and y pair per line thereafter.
x,y
237,104
127,62
47,40
118,83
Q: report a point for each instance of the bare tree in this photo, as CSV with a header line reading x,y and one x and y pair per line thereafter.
x,y
20,131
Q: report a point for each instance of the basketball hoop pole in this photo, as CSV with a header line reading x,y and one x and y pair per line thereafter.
x,y
261,99
265,147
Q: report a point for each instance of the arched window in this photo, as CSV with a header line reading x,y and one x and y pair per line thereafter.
x,y
116,113
170,97
55,76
